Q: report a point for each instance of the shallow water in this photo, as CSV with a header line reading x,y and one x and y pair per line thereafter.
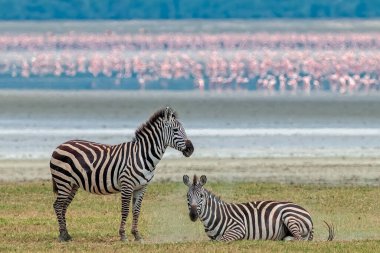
x,y
32,124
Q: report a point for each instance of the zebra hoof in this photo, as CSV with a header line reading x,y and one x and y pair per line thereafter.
x,y
288,238
123,238
139,239
137,236
64,237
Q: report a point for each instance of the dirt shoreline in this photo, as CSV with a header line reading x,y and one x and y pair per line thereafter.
x,y
302,170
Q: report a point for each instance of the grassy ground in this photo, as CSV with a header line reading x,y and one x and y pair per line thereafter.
x,y
27,221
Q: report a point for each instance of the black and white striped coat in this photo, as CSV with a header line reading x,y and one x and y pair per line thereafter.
x,y
258,220
106,169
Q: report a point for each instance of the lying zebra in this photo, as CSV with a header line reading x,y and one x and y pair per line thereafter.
x,y
258,220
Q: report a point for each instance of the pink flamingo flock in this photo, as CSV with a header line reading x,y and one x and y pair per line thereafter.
x,y
343,63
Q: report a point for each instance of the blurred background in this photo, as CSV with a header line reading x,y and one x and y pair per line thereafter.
x,y
248,78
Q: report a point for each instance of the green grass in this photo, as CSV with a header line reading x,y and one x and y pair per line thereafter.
x,y
27,220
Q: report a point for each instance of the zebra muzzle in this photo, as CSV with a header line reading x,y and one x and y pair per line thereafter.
x,y
188,151
193,214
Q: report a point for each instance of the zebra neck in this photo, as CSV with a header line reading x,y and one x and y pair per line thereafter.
x,y
213,205
150,149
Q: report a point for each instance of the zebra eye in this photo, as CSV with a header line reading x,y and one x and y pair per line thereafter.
x,y
175,129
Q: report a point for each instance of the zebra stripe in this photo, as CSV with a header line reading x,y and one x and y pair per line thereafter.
x,y
105,169
258,220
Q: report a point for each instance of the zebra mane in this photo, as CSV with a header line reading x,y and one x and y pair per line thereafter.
x,y
195,180
155,116
213,195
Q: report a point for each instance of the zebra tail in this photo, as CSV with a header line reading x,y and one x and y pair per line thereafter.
x,y
331,230
55,188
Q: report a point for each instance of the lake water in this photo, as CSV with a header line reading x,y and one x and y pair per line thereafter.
x,y
33,123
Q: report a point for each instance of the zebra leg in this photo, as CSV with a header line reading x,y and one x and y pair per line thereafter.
x,y
126,194
136,206
64,197
233,236
69,199
66,205
295,229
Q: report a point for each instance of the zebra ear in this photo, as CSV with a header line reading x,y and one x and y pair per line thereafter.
x,y
203,180
168,114
186,180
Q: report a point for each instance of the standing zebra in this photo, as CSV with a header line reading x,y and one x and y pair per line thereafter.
x,y
105,169
259,220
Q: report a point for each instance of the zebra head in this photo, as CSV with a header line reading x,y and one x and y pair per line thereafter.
x,y
196,195
175,135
